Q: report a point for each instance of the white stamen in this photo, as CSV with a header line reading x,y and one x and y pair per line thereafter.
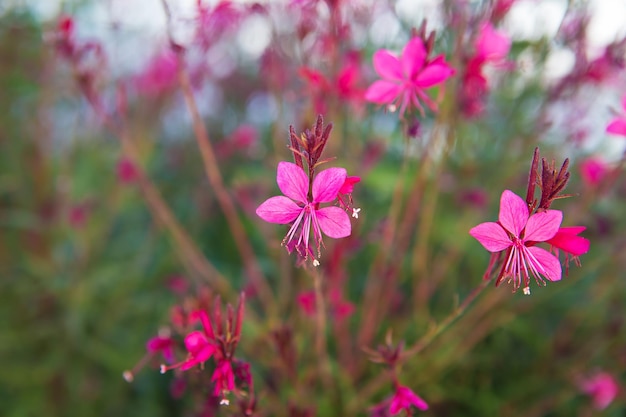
x,y
526,290
355,212
224,401
392,108
316,262
128,376
163,369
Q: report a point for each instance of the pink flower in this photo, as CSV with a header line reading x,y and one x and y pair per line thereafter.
x,y
491,45
618,125
593,170
224,378
164,345
403,399
126,171
517,232
302,207
160,75
567,239
602,387
405,78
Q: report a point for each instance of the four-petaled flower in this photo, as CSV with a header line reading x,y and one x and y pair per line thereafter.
x,y
618,125
405,78
518,232
302,207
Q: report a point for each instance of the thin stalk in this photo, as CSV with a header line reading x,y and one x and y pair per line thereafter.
x,y
217,183
320,329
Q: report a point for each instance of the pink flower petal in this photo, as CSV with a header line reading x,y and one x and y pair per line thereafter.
x,y
382,92
624,102
543,225
279,210
194,341
387,65
334,222
348,185
566,239
617,127
434,74
327,183
292,181
492,45
513,212
492,236
413,58
550,265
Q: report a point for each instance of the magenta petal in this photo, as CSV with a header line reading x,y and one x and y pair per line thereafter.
x,y
491,44
195,341
382,92
617,127
327,183
543,225
413,57
292,181
334,222
492,236
434,74
387,65
566,239
550,265
279,209
513,212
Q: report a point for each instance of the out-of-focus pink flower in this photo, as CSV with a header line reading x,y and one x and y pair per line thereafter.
x,y
163,345
602,387
517,232
159,75
405,78
339,307
223,378
403,399
77,216
491,45
593,170
126,171
303,208
177,284
618,125
214,22
501,8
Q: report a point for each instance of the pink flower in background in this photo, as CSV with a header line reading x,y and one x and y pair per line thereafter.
x,y
593,170
163,345
339,307
618,125
517,232
491,45
602,388
404,399
126,171
302,207
159,75
405,78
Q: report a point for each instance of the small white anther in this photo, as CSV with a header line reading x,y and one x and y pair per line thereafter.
x,y
163,369
224,401
392,108
128,376
316,262
526,290
355,212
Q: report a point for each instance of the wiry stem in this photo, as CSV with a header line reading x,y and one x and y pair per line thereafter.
x,y
320,328
217,184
